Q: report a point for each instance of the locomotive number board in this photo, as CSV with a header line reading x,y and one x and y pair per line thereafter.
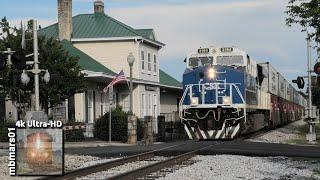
x,y
203,50
226,49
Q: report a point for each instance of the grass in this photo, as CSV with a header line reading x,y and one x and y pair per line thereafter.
x,y
303,130
316,172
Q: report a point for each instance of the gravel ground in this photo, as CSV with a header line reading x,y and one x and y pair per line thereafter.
x,y
120,169
225,167
281,135
71,162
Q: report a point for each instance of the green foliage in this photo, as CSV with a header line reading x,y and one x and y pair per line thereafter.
x,y
119,126
4,130
306,13
74,135
140,129
66,77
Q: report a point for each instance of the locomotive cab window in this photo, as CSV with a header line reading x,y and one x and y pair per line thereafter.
x,y
200,61
230,60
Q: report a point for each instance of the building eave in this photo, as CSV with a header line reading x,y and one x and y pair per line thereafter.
x,y
91,74
130,38
170,87
88,73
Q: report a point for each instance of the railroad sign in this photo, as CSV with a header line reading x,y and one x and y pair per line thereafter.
x,y
111,95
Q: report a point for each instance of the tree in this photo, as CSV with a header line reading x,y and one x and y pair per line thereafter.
x,y
66,77
306,13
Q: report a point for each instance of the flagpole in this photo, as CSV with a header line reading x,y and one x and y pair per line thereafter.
x,y
110,109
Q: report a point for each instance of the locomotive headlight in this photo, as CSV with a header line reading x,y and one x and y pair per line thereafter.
x,y
211,73
227,100
194,101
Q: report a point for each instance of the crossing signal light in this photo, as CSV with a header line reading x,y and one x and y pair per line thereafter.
x,y
317,68
300,82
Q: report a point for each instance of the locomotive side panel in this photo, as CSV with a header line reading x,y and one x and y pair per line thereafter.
x,y
282,86
270,82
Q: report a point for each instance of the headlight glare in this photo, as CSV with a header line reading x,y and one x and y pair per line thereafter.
x,y
211,73
194,101
227,100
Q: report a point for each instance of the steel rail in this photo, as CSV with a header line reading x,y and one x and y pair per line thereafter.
x,y
145,170
108,165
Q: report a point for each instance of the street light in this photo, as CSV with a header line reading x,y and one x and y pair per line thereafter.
x,y
130,60
132,129
46,77
25,78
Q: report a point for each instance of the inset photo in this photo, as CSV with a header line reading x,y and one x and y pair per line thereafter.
x,y
39,152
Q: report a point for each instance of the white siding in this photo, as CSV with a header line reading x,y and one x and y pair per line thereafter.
x,y
146,73
168,102
113,55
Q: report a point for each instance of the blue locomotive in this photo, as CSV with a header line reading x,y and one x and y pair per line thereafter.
x,y
226,94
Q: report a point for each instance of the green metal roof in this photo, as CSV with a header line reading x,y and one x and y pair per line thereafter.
x,y
147,33
85,61
167,80
97,25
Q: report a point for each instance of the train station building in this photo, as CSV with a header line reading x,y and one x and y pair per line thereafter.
x,y
102,44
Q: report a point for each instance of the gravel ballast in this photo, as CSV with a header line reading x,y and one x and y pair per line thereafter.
x,y
281,135
242,167
72,162
123,168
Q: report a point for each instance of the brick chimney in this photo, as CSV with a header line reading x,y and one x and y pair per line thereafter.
x,y
65,19
98,6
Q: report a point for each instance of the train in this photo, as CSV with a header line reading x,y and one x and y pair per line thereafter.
x,y
226,94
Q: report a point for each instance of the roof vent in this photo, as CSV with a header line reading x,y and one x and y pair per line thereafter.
x,y
98,6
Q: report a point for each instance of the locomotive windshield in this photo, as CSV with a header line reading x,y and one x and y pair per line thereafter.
x,y
200,61
230,60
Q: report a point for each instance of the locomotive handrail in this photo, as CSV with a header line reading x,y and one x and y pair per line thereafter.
x,y
181,102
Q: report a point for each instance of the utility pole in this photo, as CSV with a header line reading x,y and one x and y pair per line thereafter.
x,y
311,136
36,66
110,111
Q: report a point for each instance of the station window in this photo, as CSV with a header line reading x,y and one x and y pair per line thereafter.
x,y
143,106
155,63
149,62
142,60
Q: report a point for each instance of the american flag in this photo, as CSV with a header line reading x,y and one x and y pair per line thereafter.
x,y
119,78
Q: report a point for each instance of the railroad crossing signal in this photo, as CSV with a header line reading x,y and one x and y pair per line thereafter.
x,y
300,82
317,68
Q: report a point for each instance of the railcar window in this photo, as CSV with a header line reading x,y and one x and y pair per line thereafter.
x,y
200,61
229,60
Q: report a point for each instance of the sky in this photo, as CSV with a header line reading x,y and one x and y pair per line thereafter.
x,y
256,26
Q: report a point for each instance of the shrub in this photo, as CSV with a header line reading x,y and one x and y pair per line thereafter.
x,y
119,126
4,125
74,135
140,127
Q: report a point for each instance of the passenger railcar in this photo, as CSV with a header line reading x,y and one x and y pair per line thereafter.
x,y
226,94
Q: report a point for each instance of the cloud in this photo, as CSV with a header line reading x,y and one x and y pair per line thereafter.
x,y
257,26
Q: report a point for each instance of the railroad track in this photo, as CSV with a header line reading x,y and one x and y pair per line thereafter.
x,y
145,170
108,165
